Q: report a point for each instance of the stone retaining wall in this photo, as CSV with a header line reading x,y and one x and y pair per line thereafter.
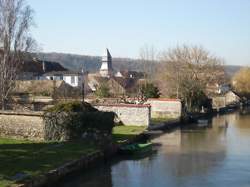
x,y
165,108
129,114
25,125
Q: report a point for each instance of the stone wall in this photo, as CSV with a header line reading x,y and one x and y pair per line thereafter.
x,y
165,108
24,125
129,114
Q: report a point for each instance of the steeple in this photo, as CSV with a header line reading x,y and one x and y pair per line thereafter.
x,y
106,68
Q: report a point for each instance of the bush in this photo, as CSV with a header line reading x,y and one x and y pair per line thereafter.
x,y
150,91
103,91
74,106
68,121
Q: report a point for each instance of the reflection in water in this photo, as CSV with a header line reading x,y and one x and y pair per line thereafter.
x,y
216,156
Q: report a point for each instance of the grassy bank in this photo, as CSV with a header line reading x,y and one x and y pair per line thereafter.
x,y
21,159
24,159
122,133
156,121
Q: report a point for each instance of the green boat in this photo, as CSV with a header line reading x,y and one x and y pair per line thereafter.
x,y
135,148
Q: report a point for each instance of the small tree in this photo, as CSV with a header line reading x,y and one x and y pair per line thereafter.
x,y
150,91
102,90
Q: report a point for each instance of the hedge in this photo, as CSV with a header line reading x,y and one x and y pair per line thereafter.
x,y
68,121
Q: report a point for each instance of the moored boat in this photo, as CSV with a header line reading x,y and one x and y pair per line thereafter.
x,y
135,148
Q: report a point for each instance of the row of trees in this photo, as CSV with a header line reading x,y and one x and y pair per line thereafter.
x,y
16,18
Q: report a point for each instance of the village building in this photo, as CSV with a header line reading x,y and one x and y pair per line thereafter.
x,y
229,99
73,78
217,89
34,69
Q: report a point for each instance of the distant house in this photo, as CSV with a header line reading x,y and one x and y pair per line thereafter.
x,y
34,69
74,79
129,74
44,70
228,99
217,89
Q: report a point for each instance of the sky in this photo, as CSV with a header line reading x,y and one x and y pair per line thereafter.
x,y
87,27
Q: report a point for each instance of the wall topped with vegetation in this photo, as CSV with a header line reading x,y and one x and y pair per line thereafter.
x,y
65,121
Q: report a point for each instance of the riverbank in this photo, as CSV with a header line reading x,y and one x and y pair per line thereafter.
x,y
27,163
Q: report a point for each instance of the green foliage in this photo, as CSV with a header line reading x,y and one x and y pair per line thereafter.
x,y
102,91
67,121
150,91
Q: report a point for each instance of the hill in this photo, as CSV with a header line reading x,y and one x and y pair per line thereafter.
x,y
89,63
93,63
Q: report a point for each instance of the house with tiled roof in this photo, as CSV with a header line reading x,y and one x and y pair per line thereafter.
x,y
33,69
45,70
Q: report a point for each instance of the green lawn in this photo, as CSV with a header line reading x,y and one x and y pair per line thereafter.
x,y
24,159
122,133
161,120
29,159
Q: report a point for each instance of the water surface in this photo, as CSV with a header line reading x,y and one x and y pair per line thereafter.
x,y
216,156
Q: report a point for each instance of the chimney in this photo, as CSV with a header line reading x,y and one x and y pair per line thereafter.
x,y
44,67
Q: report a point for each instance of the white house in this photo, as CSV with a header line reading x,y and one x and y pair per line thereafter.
x,y
75,79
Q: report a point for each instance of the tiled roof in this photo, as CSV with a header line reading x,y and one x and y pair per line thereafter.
x,y
36,66
63,73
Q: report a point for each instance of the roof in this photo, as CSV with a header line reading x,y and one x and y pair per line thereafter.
x,y
132,74
126,83
55,73
36,66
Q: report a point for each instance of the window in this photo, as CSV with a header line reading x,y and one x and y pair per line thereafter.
x,y
73,80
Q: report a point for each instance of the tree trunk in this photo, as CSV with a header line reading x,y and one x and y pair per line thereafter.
x,y
3,104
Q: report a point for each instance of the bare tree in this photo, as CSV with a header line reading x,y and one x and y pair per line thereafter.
x,y
16,18
185,72
148,57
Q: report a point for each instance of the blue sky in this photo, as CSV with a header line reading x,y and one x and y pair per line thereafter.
x,y
87,27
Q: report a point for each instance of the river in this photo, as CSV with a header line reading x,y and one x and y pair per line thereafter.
x,y
217,156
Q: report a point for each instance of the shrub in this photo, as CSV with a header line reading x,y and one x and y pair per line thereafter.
x,y
74,106
67,121
103,91
150,91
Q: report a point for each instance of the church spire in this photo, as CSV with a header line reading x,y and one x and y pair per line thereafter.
x,y
106,68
